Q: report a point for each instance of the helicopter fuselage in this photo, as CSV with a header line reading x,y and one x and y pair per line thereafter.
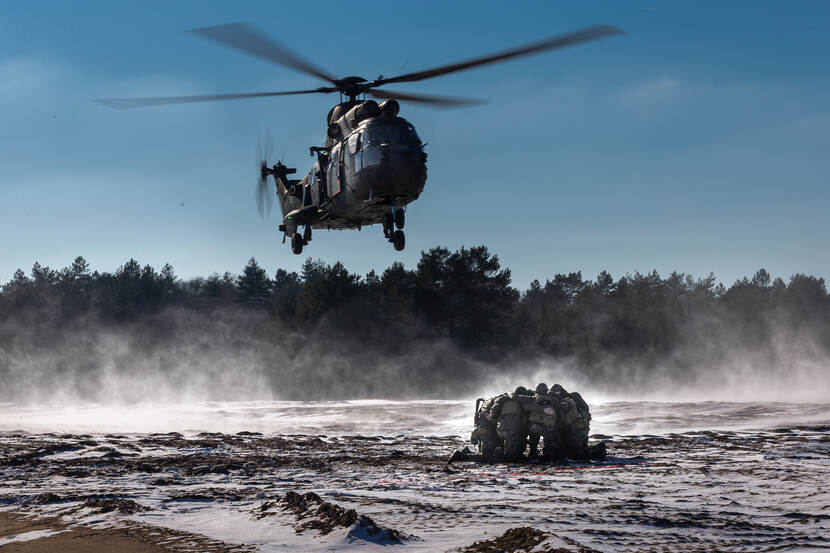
x,y
372,166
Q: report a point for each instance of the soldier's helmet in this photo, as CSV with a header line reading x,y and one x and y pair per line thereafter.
x,y
541,388
522,391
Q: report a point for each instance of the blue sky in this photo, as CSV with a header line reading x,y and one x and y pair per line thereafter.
x,y
696,142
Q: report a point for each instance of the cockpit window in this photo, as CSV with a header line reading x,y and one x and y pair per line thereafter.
x,y
412,134
391,134
353,146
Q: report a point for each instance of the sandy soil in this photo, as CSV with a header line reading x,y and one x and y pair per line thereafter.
x,y
48,535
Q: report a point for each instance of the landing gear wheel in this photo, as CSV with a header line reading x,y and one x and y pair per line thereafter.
x,y
400,218
307,234
398,240
297,243
388,225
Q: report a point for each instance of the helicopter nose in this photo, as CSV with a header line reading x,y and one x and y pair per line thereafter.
x,y
401,169
400,157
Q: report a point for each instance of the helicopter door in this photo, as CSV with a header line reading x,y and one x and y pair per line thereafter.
x,y
320,188
307,199
353,154
314,188
334,171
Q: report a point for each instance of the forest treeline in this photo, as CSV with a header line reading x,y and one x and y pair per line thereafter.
x,y
456,314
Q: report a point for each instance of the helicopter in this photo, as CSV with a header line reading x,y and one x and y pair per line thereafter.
x,y
372,164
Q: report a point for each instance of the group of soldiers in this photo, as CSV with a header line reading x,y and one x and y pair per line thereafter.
x,y
508,425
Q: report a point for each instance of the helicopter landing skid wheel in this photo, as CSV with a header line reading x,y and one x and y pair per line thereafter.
x,y
297,243
398,240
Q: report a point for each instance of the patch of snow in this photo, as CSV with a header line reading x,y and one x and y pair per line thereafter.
x,y
29,536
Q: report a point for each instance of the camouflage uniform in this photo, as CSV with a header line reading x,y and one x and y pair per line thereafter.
x,y
485,435
543,423
504,425
573,424
511,427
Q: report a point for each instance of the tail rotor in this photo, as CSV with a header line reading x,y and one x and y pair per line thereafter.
x,y
264,196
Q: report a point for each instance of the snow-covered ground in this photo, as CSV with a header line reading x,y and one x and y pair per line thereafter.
x,y
680,476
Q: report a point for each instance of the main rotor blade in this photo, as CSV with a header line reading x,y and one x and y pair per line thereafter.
x,y
127,103
559,41
437,101
246,38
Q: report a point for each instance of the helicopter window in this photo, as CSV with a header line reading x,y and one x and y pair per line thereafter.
x,y
353,143
355,150
389,134
370,155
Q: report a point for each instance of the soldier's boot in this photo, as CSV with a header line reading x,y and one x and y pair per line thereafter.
x,y
597,451
514,449
553,450
498,455
488,450
552,454
578,450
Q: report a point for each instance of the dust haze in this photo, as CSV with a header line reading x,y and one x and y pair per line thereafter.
x,y
178,356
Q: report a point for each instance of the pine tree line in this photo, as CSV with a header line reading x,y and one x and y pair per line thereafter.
x,y
462,299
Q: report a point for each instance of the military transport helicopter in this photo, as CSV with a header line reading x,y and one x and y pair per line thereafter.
x,y
372,164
